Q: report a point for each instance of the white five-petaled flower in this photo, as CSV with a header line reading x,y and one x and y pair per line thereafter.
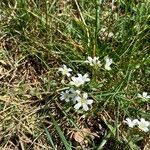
x,y
108,63
83,102
65,96
143,125
80,80
131,123
93,61
84,77
65,71
144,95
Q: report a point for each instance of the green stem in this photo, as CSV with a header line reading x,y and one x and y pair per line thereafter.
x,y
117,121
83,20
104,141
97,24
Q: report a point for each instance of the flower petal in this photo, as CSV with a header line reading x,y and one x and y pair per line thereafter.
x,y
135,121
67,99
89,58
69,69
85,107
148,96
144,94
89,101
78,98
68,74
85,95
145,129
79,75
107,67
77,106
60,69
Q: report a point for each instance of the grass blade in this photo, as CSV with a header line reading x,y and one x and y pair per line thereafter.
x,y
49,137
60,133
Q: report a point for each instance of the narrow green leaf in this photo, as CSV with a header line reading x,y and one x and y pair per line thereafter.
x,y
60,133
49,137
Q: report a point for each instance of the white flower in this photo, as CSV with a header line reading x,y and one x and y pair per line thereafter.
x,y
84,77
89,61
143,125
76,81
74,94
144,95
131,123
83,102
65,71
80,80
108,63
93,61
65,96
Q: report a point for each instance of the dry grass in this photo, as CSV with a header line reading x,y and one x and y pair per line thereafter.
x,y
36,39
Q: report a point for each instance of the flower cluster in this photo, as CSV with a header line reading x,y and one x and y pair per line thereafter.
x,y
78,98
74,95
76,82
142,124
95,62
